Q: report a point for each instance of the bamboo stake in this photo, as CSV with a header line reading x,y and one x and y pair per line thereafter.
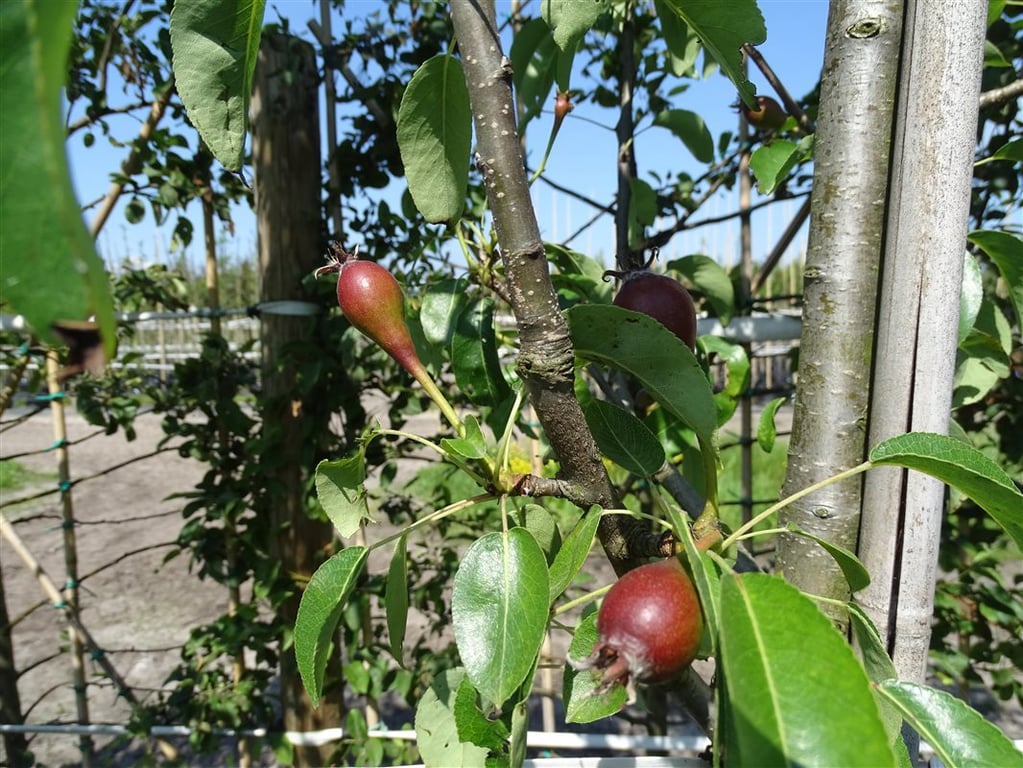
x,y
74,621
918,322
70,596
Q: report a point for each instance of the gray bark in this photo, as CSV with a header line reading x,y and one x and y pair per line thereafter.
x,y
546,357
932,168
286,166
846,230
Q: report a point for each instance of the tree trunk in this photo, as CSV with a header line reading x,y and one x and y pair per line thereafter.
x,y
846,229
928,214
286,164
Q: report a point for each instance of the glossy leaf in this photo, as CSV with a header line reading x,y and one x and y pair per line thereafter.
x,y
339,487
1011,150
879,667
472,446
572,265
436,729
683,46
983,355
569,20
972,295
474,355
319,612
534,56
583,704
519,734
215,46
723,29
962,467
960,735
434,136
51,270
499,607
642,209
771,163
442,303
543,527
711,279
795,690
643,347
706,579
1006,250
473,726
623,438
396,599
855,573
737,368
691,129
573,552
766,430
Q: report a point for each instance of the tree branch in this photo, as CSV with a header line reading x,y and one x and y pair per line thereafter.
x,y
790,103
1001,95
625,257
546,357
129,166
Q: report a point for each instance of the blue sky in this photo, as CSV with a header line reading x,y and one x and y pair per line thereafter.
x,y
583,158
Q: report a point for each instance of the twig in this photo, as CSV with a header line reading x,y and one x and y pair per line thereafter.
x,y
790,103
1000,95
13,380
780,247
87,120
53,595
131,164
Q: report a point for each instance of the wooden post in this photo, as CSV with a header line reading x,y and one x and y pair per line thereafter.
x,y
286,167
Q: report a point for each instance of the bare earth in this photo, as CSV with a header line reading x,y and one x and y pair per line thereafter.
x,y
139,609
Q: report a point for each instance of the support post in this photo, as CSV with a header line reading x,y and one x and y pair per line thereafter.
x,y
286,167
915,359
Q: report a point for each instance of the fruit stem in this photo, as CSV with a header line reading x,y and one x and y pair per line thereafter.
x,y
844,475
453,458
420,374
587,598
434,517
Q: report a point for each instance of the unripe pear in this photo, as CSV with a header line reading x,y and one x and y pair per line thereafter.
x,y
663,299
649,626
768,116
372,301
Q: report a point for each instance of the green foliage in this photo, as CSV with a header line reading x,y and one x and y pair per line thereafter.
x,y
961,467
723,30
468,554
795,688
215,47
47,250
323,601
499,608
435,121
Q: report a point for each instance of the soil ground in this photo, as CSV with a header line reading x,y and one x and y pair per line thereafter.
x,y
139,608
